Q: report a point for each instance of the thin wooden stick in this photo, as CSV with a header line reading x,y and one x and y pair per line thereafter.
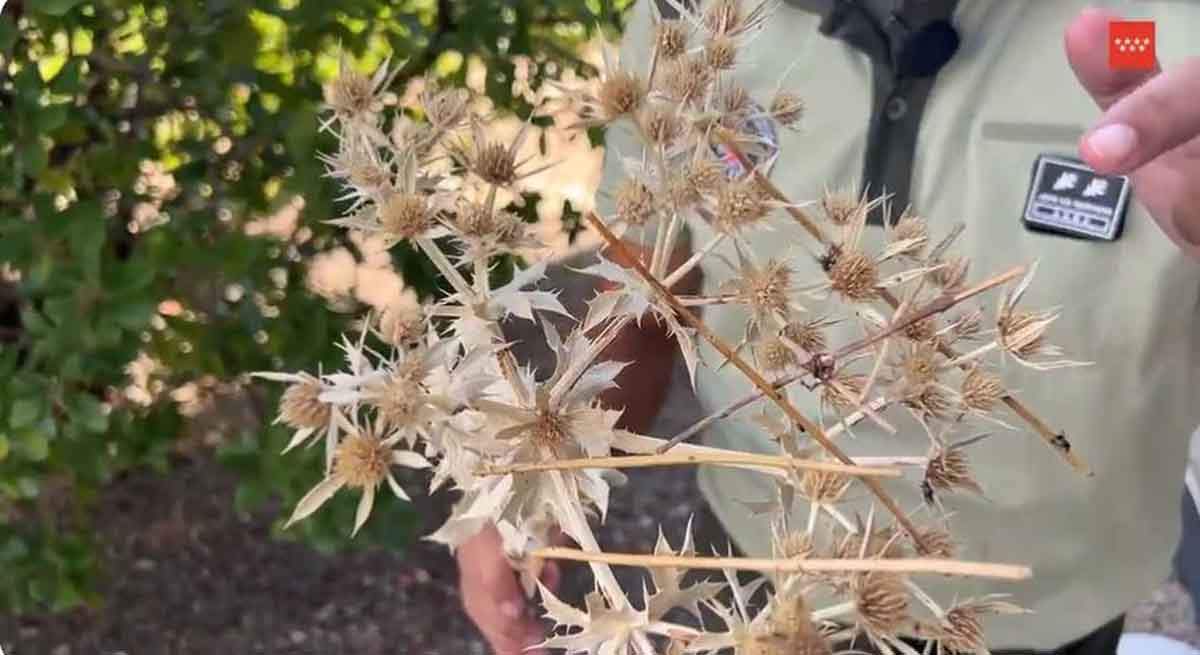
x,y
690,459
797,418
1055,439
889,565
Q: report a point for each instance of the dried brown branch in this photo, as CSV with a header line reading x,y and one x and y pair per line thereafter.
x,y
890,565
691,459
794,415
1056,440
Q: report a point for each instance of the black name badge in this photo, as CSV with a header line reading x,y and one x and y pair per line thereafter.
x,y
1067,197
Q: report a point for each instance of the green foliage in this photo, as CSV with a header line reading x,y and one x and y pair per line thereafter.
x,y
199,116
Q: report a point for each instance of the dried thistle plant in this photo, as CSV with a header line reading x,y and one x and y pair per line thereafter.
x,y
434,386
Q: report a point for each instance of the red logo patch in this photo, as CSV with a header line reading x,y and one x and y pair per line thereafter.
x,y
1131,45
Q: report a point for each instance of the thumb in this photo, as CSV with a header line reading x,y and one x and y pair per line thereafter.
x,y
1086,43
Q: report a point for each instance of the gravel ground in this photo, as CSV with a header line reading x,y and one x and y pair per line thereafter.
x,y
187,575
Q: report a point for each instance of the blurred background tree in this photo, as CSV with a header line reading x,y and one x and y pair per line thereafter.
x,y
161,209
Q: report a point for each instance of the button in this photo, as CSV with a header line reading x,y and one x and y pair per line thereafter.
x,y
896,108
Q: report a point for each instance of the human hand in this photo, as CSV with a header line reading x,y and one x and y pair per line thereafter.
x,y
493,598
1150,129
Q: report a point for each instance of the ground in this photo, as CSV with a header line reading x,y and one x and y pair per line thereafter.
x,y
187,575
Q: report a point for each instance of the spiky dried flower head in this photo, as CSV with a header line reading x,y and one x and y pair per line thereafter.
x,y
361,461
1023,333
922,330
774,355
671,38
402,324
967,326
914,229
960,628
855,276
842,391
930,401
688,186
948,469
405,215
353,95
787,108
794,544
808,335
730,18
687,80
662,125
549,430
740,204
300,407
981,390
766,290
720,53
880,602
621,93
883,543
824,487
398,400
840,208
789,622
919,364
735,105
938,543
495,163
445,109
951,274
479,222
635,203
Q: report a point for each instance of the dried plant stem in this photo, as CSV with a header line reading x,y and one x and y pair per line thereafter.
x,y
1057,440
727,351
701,301
439,259
795,565
725,412
693,261
689,459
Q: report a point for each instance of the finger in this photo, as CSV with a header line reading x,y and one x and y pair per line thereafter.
x,y
1086,43
1154,119
551,575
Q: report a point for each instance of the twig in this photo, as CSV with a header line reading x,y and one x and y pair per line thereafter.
x,y
767,388
794,565
1057,440
726,412
690,459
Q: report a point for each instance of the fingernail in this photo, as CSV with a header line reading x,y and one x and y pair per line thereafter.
x,y
511,610
1112,143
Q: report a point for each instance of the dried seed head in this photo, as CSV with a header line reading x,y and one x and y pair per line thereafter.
x,y
949,469
855,276
405,215
774,355
398,400
879,544
881,602
961,631
981,390
301,408
808,335
672,39
967,326
475,221
495,164
369,175
787,108
635,202
767,290
1023,333
723,17
361,461
401,325
911,227
549,430
740,203
931,400
919,364
734,105
446,109
620,94
687,80
790,621
352,94
951,276
662,125
922,330
690,185
795,544
824,487
843,392
938,543
720,53
840,208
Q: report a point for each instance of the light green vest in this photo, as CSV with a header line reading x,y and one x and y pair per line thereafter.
x,y
1099,544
